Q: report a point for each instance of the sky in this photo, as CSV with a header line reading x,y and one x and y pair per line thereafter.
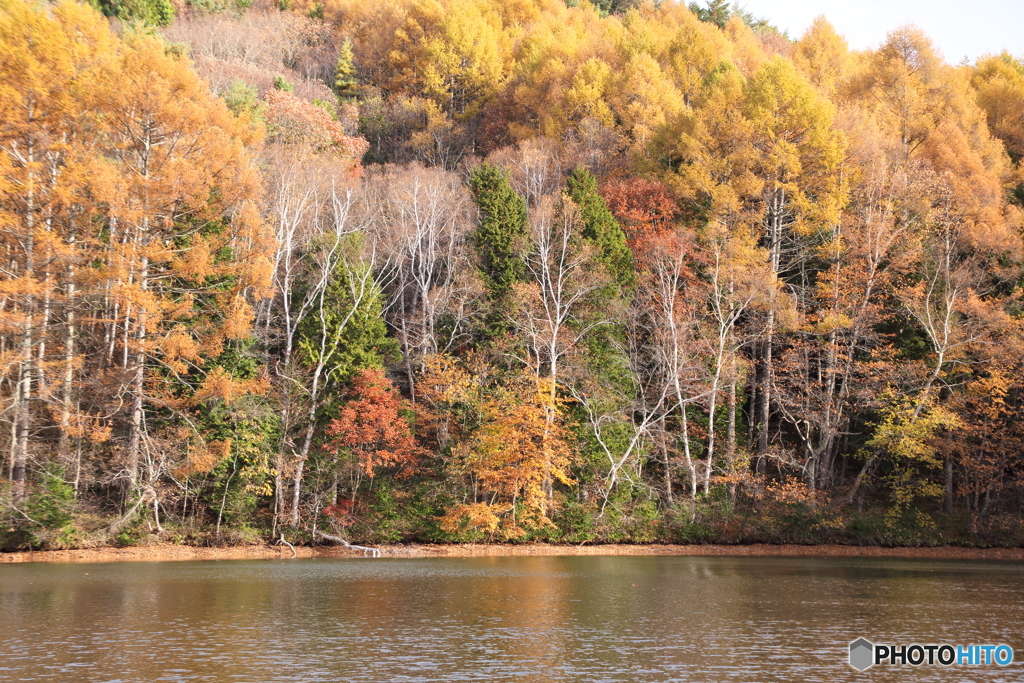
x,y
959,29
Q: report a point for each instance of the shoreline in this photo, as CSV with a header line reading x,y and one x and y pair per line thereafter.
x,y
174,553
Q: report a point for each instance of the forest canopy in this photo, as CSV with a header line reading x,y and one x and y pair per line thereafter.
x,y
461,270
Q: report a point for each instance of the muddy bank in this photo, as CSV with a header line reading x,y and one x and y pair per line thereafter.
x,y
169,553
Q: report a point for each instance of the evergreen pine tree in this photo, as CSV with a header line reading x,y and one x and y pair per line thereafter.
x,y
145,12
601,228
502,227
353,325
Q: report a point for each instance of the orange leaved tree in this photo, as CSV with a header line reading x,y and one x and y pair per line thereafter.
x,y
129,223
521,445
373,429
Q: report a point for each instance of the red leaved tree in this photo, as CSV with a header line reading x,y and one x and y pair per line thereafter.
x,y
646,211
372,428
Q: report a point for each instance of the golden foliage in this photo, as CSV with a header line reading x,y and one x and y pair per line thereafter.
x,y
520,449
203,456
479,517
219,385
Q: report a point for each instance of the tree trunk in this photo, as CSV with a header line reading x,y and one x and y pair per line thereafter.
x,y
686,451
67,400
20,456
138,386
23,391
668,467
711,436
297,490
947,503
763,409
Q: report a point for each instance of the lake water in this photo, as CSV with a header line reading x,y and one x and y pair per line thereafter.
x,y
710,619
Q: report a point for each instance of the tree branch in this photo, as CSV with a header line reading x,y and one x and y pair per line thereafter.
x,y
375,552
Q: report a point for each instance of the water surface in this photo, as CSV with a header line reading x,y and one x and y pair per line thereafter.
x,y
632,618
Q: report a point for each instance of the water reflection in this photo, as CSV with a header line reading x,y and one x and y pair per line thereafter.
x,y
499,619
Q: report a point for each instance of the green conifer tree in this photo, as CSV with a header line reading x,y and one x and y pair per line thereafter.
x,y
243,98
353,325
601,228
281,84
502,228
145,12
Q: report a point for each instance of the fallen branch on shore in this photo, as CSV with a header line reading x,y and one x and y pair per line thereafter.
x,y
281,540
337,539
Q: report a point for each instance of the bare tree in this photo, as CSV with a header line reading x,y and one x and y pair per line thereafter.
x,y
425,216
534,168
318,219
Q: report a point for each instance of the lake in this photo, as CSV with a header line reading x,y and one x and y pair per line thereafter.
x,y
646,618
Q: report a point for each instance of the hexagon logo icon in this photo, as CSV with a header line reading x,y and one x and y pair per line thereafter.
x,y
862,654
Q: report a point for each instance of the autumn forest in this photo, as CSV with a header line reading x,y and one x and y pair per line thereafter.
x,y
469,271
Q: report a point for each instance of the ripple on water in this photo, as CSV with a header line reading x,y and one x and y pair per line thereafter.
x,y
497,619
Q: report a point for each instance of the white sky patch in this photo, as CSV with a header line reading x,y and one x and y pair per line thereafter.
x,y
958,29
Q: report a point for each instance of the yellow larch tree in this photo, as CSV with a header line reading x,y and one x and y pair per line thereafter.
x,y
49,65
822,55
127,204
184,245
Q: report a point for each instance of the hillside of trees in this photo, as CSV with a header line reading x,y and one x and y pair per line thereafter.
x,y
468,270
